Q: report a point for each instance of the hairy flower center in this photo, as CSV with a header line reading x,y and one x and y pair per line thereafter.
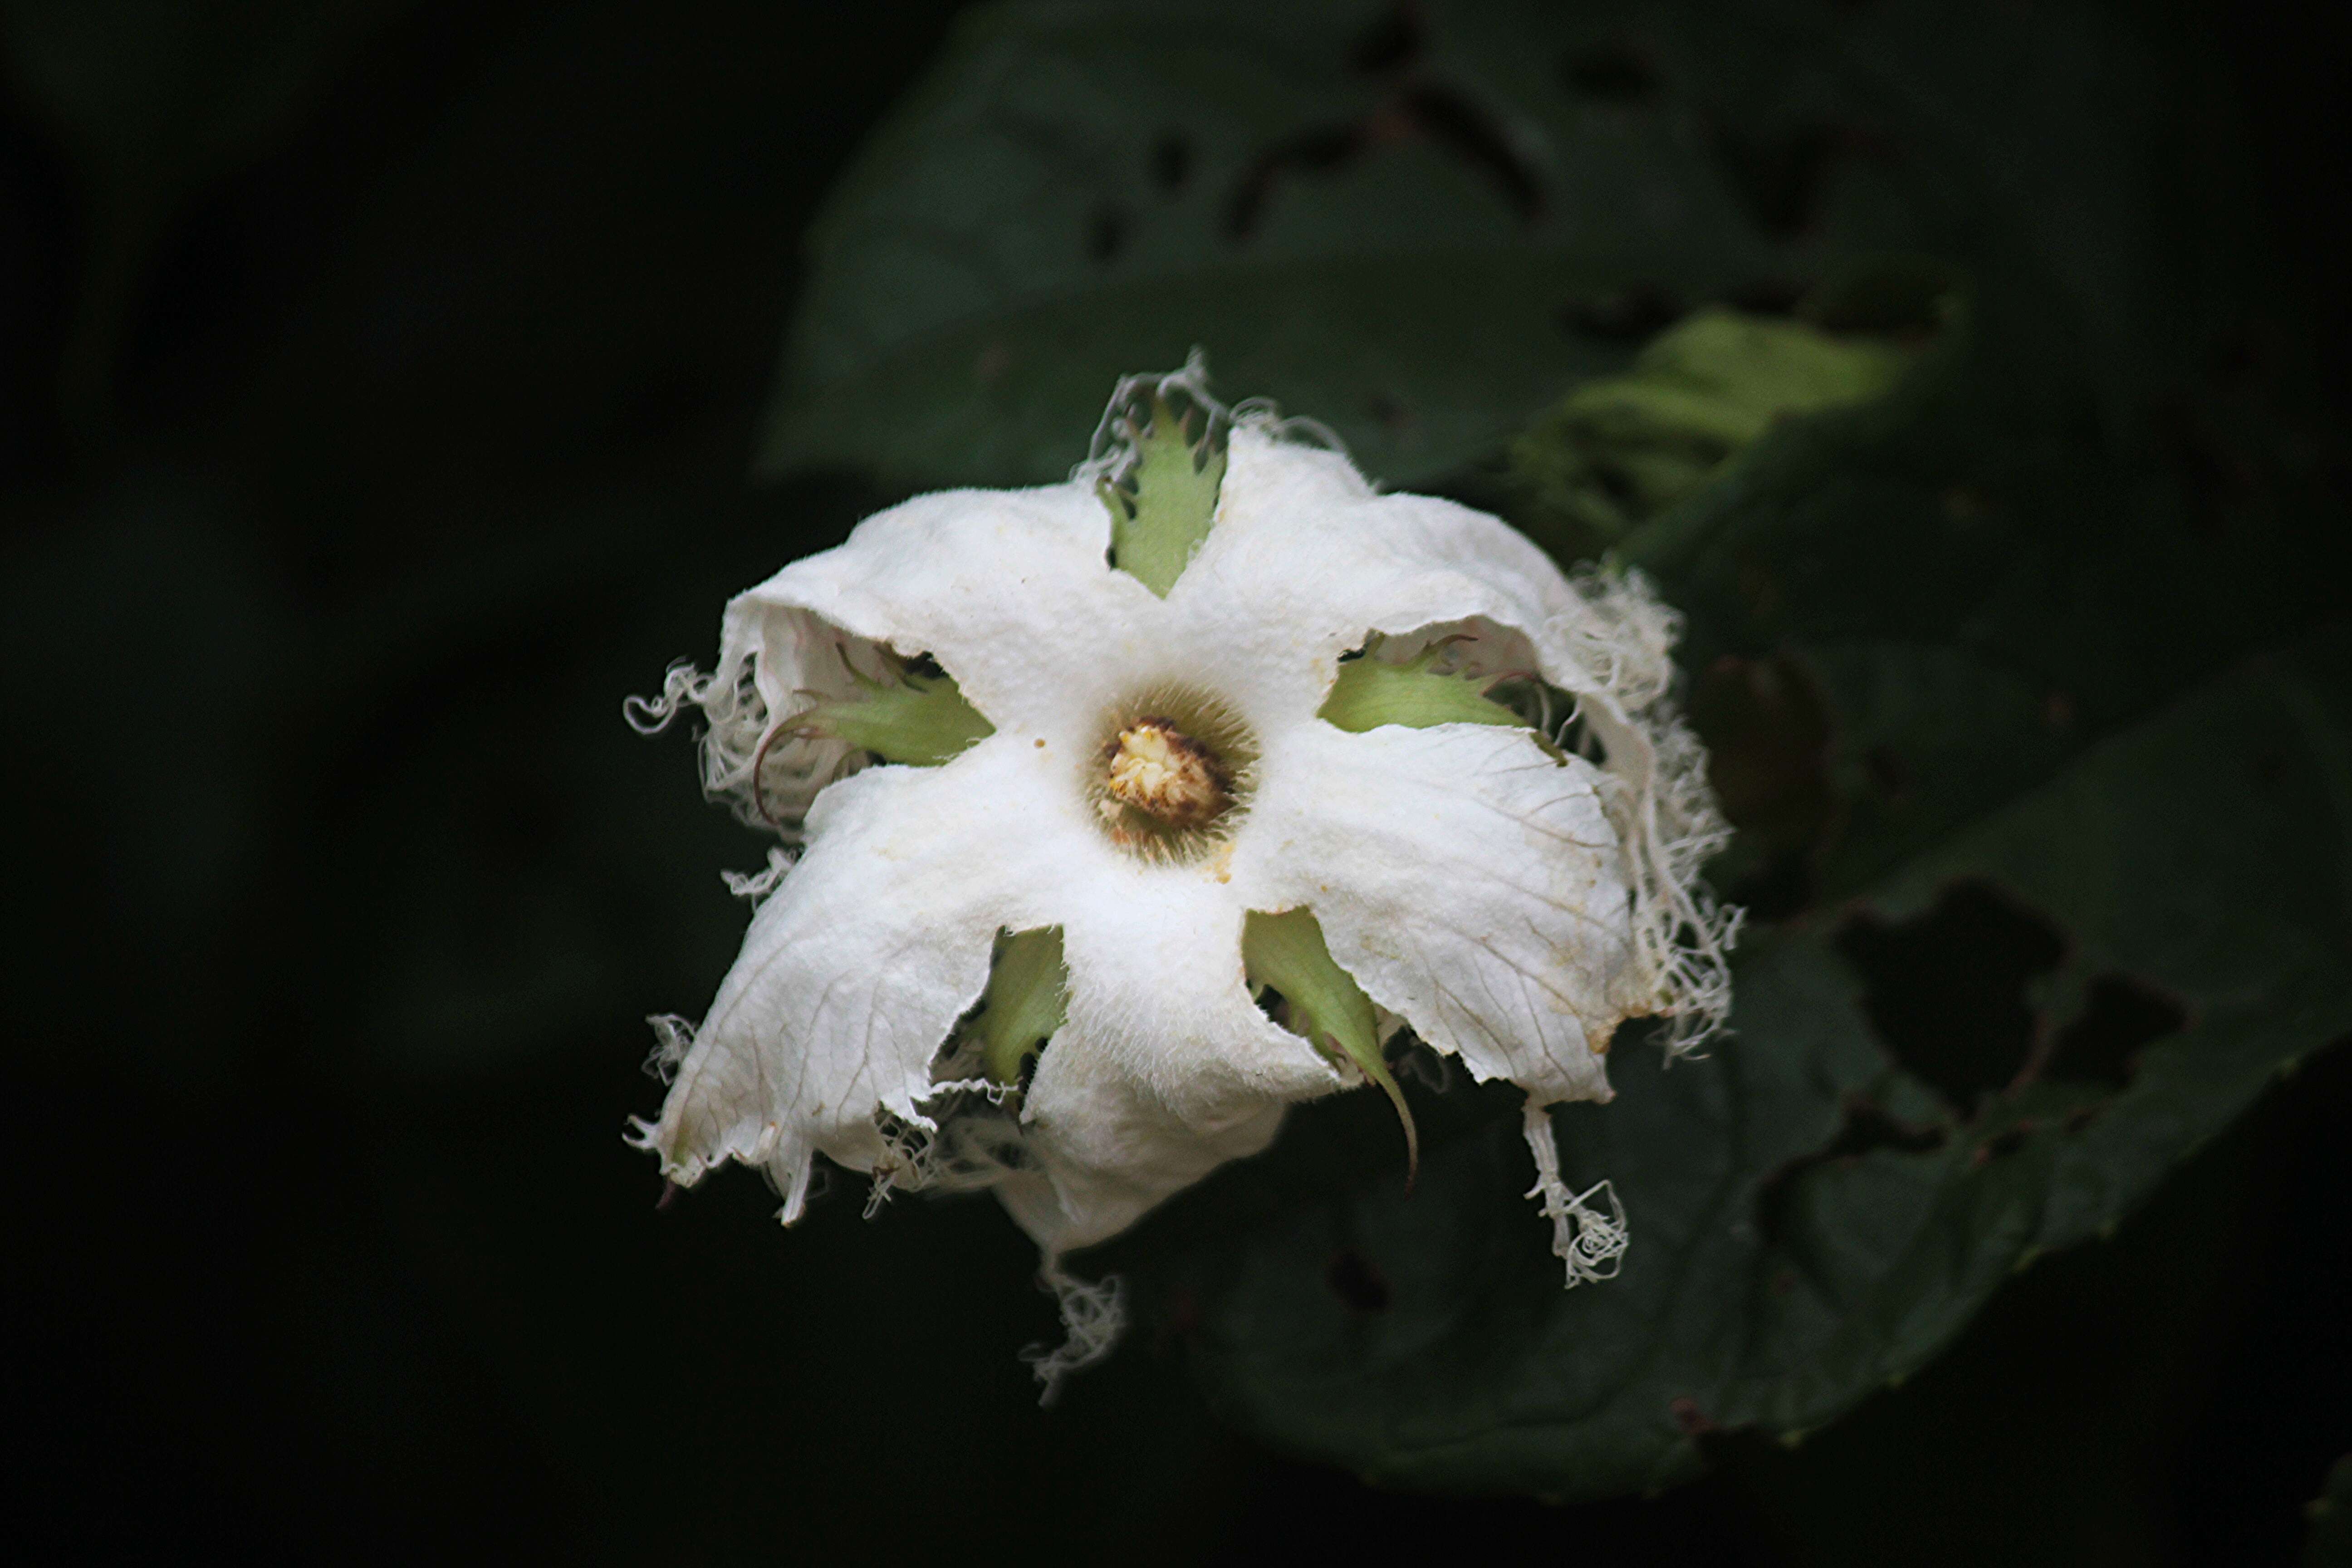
x,y
1160,770
1172,774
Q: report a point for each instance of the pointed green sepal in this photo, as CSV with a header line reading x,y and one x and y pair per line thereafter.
x,y
1028,995
1162,507
1287,951
923,721
1371,692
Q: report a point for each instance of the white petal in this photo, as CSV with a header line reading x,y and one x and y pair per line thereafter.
x,y
1106,1153
1008,590
1166,1068
856,969
1468,880
1306,559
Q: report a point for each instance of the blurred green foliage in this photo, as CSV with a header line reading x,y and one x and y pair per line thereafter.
x,y
1619,449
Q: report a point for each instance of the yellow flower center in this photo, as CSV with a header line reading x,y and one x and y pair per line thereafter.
x,y
1163,773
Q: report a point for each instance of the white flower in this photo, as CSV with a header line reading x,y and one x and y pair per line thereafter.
x,y
1154,775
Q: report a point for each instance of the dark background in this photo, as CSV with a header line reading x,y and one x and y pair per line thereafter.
x,y
376,397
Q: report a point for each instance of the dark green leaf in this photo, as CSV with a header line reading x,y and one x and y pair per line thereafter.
x,y
2041,742
1412,225
1810,1222
2017,677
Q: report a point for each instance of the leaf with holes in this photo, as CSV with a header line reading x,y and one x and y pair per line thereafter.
x,y
2028,690
1417,223
1820,1205
2018,680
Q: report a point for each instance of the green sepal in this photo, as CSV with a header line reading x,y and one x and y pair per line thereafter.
x,y
923,721
1162,507
1287,951
1371,692
1028,995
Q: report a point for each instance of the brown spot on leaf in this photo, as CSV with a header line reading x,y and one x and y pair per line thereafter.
x,y
1689,1419
2006,1142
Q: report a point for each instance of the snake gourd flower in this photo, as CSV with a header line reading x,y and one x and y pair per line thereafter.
x,y
1133,810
